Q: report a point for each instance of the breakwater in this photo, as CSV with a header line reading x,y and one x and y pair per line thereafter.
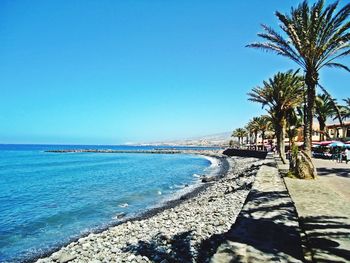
x,y
160,151
245,153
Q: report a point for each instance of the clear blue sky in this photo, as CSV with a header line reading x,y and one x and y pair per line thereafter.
x,y
110,72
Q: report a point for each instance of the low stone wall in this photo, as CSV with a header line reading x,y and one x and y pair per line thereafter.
x,y
245,153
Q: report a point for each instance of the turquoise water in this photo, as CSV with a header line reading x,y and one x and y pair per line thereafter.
x,y
46,199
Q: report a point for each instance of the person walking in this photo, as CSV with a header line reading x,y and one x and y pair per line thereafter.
x,y
339,155
347,155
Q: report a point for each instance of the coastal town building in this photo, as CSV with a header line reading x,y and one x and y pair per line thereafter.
x,y
333,131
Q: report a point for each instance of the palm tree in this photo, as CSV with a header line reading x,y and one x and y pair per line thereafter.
x,y
259,124
281,93
314,37
253,126
340,112
264,125
324,109
239,133
347,108
343,114
347,101
294,123
250,132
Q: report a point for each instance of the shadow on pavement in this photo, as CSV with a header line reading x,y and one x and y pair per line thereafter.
x,y
343,172
325,234
264,228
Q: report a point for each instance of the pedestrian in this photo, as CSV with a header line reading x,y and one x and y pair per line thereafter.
x,y
347,155
337,154
340,156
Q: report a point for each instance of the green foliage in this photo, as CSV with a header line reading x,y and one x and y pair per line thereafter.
x,y
294,152
292,175
324,107
280,93
240,133
313,36
294,121
346,109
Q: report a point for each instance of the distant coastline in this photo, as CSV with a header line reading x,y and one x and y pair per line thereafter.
x,y
154,151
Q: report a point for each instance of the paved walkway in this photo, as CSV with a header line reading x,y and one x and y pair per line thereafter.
x,y
323,206
267,228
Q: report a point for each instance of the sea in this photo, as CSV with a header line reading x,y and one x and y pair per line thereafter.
x,y
49,199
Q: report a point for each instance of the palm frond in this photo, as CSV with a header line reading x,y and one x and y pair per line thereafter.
x,y
336,65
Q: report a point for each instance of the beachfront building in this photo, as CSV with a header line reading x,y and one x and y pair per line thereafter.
x,y
316,133
335,131
332,132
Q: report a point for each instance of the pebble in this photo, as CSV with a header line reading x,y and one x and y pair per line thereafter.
x,y
173,234
64,257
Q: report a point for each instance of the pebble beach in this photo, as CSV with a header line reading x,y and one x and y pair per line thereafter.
x,y
184,230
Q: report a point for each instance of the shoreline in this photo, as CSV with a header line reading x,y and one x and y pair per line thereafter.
x,y
223,199
174,200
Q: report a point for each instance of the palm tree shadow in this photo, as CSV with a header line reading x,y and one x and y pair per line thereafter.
x,y
262,227
174,249
324,234
342,172
268,234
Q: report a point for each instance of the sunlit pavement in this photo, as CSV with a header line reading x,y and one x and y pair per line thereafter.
x,y
323,206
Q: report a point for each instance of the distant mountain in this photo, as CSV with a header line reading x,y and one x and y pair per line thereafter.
x,y
218,139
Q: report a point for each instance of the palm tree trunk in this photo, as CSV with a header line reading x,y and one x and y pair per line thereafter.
x,y
263,138
280,134
343,128
292,153
256,140
311,81
322,130
281,145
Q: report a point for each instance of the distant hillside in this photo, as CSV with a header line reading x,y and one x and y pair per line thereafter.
x,y
218,139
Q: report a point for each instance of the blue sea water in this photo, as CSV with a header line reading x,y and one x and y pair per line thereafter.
x,y
46,199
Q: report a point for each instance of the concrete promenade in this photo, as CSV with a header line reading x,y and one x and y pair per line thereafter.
x,y
267,228
323,206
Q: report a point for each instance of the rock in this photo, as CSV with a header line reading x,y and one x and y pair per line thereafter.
x,y
145,258
55,256
65,257
207,179
193,220
229,189
131,257
86,246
